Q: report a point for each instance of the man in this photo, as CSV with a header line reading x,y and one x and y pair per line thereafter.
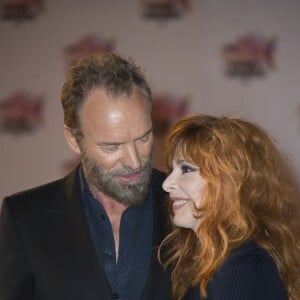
x,y
93,234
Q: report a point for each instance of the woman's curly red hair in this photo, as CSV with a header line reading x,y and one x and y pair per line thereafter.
x,y
248,196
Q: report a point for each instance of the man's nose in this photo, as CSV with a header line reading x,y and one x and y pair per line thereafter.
x,y
131,157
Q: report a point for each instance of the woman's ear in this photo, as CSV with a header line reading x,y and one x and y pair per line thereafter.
x,y
71,139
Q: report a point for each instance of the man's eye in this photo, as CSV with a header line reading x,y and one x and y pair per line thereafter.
x,y
109,149
145,138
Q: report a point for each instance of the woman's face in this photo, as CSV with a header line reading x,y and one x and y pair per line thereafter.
x,y
184,185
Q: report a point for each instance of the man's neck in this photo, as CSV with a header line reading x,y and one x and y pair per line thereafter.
x,y
114,211
110,205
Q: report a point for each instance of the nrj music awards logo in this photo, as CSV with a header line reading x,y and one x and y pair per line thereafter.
x,y
21,10
167,108
165,9
21,113
86,46
249,56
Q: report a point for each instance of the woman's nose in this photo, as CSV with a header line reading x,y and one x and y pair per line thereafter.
x,y
169,184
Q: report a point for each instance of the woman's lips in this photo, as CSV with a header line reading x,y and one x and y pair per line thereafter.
x,y
178,203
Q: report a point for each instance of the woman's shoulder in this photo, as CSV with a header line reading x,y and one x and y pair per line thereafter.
x,y
249,272
249,260
247,253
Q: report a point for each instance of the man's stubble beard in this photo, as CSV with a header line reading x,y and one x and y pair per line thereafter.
x,y
127,193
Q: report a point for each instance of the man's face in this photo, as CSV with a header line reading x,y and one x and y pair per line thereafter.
x,y
117,145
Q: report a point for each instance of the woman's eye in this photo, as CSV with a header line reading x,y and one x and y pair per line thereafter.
x,y
187,169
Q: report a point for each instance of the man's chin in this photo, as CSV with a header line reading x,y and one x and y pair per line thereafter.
x,y
132,194
134,202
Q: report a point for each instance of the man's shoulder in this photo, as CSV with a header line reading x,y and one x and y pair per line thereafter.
x,y
37,190
38,194
33,197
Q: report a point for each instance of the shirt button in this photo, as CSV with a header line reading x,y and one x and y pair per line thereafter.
x,y
109,254
115,295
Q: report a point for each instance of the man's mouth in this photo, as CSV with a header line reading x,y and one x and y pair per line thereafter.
x,y
131,177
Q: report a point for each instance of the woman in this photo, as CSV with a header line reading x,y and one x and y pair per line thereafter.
x,y
232,206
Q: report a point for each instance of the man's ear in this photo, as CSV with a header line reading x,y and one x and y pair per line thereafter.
x,y
71,140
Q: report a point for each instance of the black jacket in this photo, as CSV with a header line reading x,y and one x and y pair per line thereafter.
x,y
46,252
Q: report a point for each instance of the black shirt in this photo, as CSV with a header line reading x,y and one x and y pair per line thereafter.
x,y
127,276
